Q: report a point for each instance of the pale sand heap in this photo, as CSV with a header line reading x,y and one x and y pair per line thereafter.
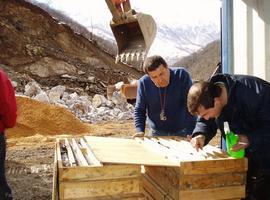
x,y
35,117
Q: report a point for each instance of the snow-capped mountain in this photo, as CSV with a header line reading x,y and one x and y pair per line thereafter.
x,y
183,26
179,41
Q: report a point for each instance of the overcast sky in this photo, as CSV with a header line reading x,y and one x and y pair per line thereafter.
x,y
172,12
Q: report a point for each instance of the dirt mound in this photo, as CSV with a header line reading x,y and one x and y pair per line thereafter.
x,y
35,117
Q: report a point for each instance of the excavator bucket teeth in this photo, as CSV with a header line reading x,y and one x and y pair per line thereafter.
x,y
134,37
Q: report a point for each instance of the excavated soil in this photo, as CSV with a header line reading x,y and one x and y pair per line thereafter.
x,y
30,154
40,118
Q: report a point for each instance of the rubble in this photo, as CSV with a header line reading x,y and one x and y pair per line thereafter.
x,y
86,108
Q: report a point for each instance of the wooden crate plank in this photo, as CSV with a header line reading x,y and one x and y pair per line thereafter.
x,y
91,189
166,177
214,166
182,149
215,152
191,182
71,158
58,154
117,197
106,150
78,153
153,145
147,195
152,190
89,153
100,173
59,159
55,176
189,153
213,193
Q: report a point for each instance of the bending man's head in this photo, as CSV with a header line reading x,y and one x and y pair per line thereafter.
x,y
157,69
204,100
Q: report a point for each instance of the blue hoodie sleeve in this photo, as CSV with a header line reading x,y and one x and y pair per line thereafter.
x,y
140,108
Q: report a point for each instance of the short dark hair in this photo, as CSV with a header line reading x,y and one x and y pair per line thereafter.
x,y
152,63
202,93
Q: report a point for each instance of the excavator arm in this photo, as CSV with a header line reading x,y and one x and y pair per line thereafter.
x,y
134,32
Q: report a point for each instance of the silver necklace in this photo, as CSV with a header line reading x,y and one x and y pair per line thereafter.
x,y
162,98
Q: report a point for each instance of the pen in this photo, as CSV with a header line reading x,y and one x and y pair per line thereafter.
x,y
244,143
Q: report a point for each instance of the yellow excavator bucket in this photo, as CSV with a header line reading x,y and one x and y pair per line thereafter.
x,y
134,37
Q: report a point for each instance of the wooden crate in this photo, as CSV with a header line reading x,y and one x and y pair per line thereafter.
x,y
205,175
80,175
110,168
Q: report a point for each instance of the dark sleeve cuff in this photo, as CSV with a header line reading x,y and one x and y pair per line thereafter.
x,y
208,128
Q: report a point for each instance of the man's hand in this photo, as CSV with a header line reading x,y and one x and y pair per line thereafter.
x,y
139,134
241,144
197,142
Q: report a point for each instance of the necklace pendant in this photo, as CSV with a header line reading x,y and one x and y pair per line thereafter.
x,y
162,116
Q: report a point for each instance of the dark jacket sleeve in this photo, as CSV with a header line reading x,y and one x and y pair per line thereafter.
x,y
191,120
208,128
140,108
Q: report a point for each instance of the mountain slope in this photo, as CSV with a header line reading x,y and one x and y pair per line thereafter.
x,y
34,43
202,63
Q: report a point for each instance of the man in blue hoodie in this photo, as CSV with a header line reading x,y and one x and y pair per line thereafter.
x,y
244,102
161,97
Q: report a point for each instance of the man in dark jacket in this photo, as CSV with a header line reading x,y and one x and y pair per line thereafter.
x,y
161,97
244,102
7,120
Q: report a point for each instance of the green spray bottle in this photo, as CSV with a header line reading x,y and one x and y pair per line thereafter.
x,y
231,140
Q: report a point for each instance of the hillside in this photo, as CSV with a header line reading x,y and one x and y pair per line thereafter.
x,y
34,45
202,63
105,45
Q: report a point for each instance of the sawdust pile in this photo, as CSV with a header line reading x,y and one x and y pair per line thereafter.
x,y
35,117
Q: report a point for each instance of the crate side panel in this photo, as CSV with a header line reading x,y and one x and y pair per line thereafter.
x,y
91,189
191,182
151,190
223,193
100,172
214,166
166,177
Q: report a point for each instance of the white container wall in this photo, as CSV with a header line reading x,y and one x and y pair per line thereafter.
x,y
251,38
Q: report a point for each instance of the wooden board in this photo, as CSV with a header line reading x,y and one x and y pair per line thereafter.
x,y
91,189
55,176
126,151
219,193
105,172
